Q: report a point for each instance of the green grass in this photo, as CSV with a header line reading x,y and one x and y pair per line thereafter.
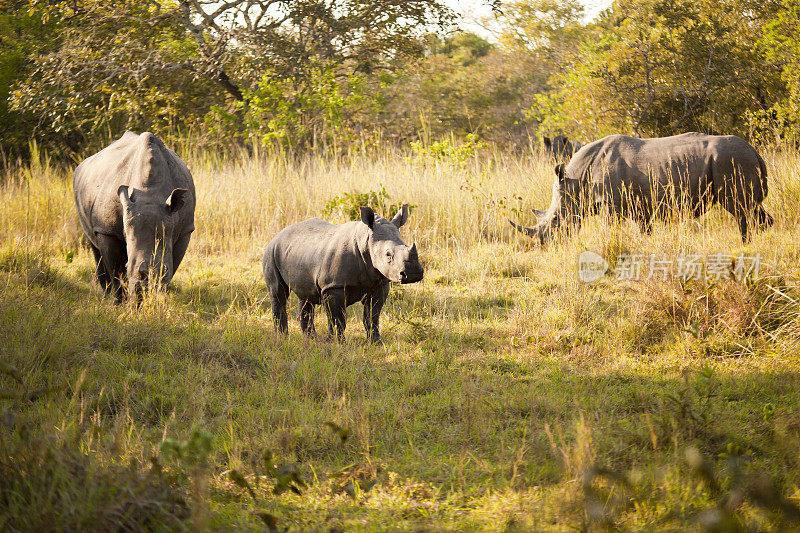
x,y
508,394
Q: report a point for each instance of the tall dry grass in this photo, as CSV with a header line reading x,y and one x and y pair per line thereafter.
x,y
243,200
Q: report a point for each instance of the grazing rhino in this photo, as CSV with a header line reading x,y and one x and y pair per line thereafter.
x,y
135,201
640,178
338,266
560,147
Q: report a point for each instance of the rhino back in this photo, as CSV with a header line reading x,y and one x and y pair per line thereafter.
x,y
140,161
313,256
682,167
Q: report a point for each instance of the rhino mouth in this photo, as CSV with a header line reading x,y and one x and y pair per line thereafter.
x,y
411,275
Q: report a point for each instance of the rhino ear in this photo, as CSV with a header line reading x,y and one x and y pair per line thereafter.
x,y
560,172
538,213
176,200
547,142
125,197
401,216
368,216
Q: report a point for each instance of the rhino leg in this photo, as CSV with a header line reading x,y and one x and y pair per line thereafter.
x,y
278,294
744,227
739,199
645,221
334,302
111,257
750,220
765,220
758,219
373,304
280,319
307,318
103,277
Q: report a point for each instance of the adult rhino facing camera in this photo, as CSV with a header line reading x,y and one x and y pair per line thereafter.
x,y
135,200
337,266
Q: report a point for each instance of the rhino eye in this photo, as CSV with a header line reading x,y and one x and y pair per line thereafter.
x,y
389,255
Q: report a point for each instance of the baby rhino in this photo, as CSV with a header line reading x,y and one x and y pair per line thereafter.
x,y
338,266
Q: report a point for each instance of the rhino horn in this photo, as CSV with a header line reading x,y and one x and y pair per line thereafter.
x,y
413,251
530,232
401,216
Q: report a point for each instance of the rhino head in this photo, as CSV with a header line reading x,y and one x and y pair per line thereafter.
x,y
389,254
149,223
564,213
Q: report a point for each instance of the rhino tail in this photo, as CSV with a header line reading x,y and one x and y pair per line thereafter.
x,y
272,275
764,219
763,167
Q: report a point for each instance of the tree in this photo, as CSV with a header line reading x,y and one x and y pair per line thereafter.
x,y
462,85
660,67
22,35
168,66
107,68
781,46
549,33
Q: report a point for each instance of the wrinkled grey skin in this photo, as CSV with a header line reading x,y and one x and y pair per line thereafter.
x,y
338,266
135,201
560,147
643,178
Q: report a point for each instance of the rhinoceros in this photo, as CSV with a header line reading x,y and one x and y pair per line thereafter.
x,y
642,178
338,265
560,147
135,200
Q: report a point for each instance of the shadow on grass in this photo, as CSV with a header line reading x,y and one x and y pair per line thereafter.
x,y
441,403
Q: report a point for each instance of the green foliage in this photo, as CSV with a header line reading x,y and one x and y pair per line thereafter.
x,y
661,67
450,150
464,47
76,74
462,87
551,27
276,112
348,205
71,70
193,452
781,45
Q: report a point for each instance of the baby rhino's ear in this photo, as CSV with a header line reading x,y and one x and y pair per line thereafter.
x,y
368,216
401,216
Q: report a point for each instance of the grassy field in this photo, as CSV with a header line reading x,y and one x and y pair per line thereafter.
x,y
508,394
